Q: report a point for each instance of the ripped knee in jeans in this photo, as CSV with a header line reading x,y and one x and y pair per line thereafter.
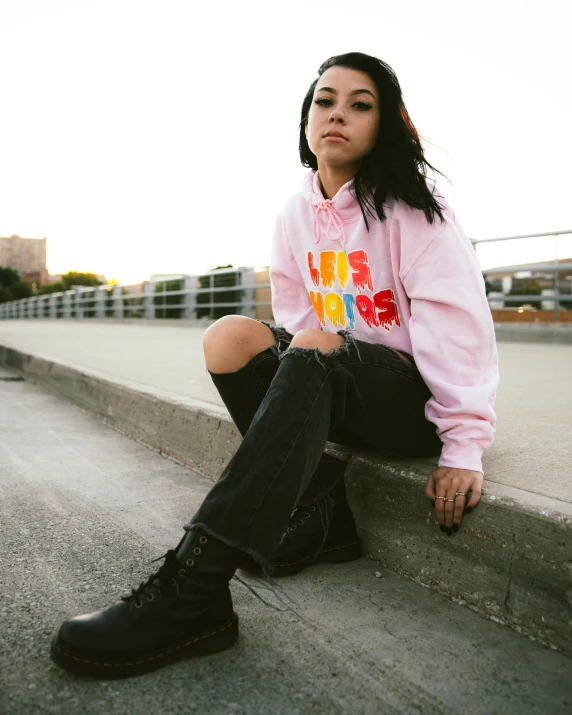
x,y
317,354
281,335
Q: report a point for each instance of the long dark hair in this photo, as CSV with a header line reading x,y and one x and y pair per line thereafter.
x,y
396,165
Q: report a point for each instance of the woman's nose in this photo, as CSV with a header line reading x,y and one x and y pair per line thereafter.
x,y
337,116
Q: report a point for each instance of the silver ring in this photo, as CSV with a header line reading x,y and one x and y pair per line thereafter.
x,y
450,500
460,494
440,497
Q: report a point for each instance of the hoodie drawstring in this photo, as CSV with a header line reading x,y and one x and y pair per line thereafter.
x,y
333,218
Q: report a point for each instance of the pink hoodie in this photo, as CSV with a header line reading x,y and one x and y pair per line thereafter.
x,y
412,285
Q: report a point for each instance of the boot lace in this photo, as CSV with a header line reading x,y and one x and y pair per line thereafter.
x,y
298,517
165,577
324,505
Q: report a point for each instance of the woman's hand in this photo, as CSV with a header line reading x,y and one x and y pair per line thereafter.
x,y
447,482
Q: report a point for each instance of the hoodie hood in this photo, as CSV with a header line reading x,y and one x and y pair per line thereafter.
x,y
330,215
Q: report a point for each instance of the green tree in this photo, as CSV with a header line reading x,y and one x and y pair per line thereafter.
x,y
51,288
12,287
71,278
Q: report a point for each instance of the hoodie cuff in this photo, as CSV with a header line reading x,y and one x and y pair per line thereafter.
x,y
462,456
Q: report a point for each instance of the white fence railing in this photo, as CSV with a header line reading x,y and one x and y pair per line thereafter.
x,y
180,296
557,294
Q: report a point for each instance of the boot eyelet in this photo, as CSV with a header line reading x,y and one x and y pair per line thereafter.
x,y
182,572
173,582
150,596
292,526
307,515
196,550
138,604
301,522
203,539
312,508
190,562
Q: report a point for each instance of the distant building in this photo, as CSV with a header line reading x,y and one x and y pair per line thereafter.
x,y
25,255
531,270
530,279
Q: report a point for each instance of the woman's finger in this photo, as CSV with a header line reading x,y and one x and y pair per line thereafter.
x,y
430,487
476,494
440,507
461,497
449,506
430,493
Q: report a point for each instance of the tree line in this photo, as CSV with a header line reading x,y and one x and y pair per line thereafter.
x,y
13,287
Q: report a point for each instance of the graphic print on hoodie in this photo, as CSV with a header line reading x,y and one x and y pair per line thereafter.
x,y
406,283
379,309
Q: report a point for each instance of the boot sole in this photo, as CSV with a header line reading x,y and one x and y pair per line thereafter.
x,y
334,555
205,643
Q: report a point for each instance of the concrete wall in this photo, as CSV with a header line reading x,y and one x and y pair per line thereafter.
x,y
508,315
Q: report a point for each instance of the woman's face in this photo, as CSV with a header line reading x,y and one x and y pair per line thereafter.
x,y
346,102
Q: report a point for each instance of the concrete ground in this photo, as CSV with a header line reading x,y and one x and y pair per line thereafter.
x,y
84,510
531,452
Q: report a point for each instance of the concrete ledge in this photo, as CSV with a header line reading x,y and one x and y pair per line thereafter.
x,y
534,332
511,561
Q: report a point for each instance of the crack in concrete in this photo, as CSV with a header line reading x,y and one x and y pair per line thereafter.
x,y
506,600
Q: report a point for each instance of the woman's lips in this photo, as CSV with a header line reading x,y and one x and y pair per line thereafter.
x,y
334,139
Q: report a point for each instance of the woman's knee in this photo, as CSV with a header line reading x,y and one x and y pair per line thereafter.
x,y
233,340
311,339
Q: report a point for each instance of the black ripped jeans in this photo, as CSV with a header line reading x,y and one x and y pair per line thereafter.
x,y
287,403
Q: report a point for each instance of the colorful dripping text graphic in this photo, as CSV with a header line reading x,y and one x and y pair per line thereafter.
x,y
379,310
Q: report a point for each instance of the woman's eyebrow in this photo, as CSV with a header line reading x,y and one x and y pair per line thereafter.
x,y
335,91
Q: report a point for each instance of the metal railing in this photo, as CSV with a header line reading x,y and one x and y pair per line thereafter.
x,y
179,296
212,295
554,295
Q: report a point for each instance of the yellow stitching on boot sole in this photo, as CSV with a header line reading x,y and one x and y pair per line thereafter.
x,y
153,657
325,551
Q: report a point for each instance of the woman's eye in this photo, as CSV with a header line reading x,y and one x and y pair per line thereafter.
x,y
323,102
362,106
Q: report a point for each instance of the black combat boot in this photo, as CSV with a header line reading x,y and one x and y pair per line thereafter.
x,y
324,530
184,609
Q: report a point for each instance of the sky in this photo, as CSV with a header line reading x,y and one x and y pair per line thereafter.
x,y
162,137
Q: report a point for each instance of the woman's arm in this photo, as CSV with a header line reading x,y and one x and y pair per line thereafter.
x,y
453,341
291,304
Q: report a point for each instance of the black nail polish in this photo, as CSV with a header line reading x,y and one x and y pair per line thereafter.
x,y
455,527
442,527
449,531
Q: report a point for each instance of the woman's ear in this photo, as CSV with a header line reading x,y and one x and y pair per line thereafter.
x,y
306,130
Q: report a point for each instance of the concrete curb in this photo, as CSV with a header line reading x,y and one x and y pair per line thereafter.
x,y
511,561
534,332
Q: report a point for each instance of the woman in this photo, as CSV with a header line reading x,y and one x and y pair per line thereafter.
x,y
384,339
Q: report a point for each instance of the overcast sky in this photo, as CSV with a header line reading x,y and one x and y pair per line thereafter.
x,y
161,137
